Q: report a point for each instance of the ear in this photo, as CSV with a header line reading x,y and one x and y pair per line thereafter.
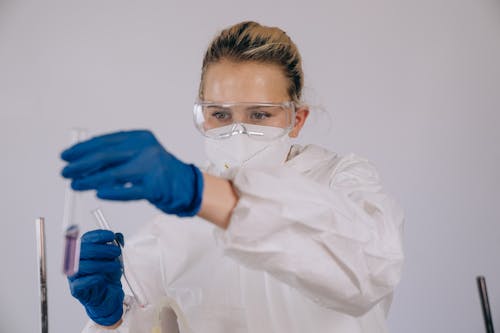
x,y
300,119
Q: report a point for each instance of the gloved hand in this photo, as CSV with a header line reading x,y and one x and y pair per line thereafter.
x,y
97,284
133,165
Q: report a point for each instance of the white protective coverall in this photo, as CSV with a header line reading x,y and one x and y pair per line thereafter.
x,y
314,246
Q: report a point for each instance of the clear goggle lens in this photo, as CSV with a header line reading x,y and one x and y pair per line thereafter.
x,y
261,121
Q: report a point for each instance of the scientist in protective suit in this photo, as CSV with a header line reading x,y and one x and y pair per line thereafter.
x,y
274,237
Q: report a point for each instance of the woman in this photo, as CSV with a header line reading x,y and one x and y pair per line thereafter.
x,y
276,238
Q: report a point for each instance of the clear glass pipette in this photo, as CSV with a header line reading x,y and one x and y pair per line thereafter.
x,y
128,274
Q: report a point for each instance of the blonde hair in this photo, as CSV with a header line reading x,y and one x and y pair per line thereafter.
x,y
250,41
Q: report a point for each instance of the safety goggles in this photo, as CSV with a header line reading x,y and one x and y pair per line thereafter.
x,y
261,121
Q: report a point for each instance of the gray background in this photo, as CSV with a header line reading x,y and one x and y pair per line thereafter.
x,y
412,85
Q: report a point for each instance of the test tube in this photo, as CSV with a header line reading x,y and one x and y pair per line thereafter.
x,y
71,229
128,275
71,250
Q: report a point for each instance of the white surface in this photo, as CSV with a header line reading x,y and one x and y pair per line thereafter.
x,y
412,85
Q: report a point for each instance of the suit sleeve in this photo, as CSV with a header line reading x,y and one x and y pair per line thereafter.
x,y
339,243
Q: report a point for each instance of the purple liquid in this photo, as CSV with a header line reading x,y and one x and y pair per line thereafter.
x,y
70,250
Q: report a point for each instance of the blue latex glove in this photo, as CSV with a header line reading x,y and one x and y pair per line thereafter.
x,y
97,284
133,165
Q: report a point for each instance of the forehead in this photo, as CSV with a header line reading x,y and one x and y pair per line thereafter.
x,y
228,81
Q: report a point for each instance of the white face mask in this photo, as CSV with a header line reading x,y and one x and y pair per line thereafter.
x,y
228,155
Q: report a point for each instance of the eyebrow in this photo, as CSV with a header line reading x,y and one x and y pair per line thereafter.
x,y
255,107
248,108
218,107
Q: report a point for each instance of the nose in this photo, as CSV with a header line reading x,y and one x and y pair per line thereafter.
x,y
238,117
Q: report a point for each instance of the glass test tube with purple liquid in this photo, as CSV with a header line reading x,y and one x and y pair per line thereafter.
x,y
70,263
70,226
